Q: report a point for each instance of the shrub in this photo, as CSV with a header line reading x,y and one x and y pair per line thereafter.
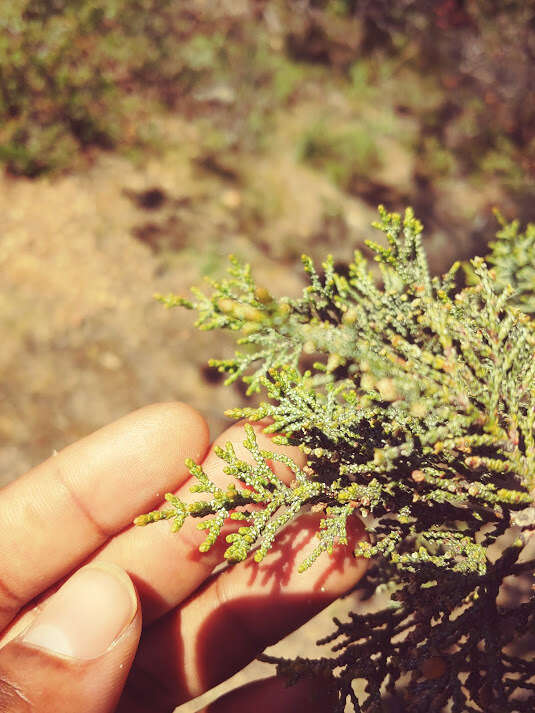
x,y
73,74
56,83
419,416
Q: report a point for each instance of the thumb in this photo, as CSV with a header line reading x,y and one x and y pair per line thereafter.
x,y
77,652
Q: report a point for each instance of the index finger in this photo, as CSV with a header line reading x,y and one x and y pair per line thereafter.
x,y
60,512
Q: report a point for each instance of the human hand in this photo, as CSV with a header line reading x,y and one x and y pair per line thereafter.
x,y
76,576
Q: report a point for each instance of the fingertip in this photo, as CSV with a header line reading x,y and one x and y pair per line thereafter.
x,y
167,420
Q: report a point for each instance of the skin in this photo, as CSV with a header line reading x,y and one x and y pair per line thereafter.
x,y
66,528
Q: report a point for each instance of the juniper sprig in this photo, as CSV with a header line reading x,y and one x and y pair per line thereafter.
x,y
418,415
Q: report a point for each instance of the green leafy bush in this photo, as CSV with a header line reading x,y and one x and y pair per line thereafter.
x,y
56,84
419,416
76,75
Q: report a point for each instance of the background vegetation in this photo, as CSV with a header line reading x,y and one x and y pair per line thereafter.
x,y
451,81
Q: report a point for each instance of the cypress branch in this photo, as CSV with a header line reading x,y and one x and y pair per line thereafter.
x,y
419,411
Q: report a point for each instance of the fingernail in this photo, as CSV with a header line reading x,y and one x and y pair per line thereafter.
x,y
87,614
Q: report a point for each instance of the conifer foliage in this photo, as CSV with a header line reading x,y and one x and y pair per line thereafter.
x,y
418,416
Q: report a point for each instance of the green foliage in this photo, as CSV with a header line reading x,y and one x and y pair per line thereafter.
x,y
512,256
61,65
443,644
437,449
418,415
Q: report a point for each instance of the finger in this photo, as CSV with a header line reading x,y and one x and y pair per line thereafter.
x,y
240,612
272,694
88,492
77,651
167,567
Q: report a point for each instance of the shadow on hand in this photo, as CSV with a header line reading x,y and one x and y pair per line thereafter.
x,y
259,604
240,611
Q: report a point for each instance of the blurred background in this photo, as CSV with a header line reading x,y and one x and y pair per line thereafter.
x,y
143,141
